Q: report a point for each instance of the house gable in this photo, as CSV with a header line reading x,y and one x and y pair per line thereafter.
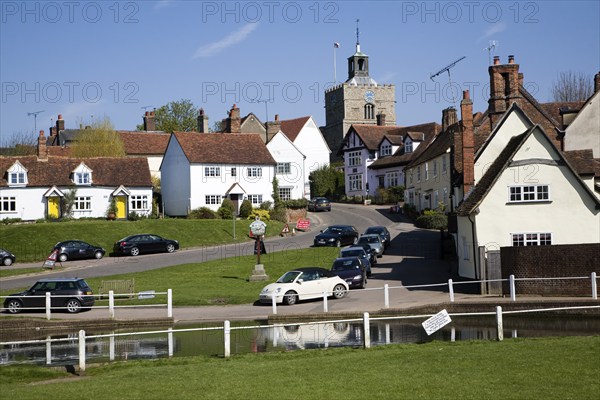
x,y
16,175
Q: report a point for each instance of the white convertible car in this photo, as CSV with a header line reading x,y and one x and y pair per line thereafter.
x,y
302,284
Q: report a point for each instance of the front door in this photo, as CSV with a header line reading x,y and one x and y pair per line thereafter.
x,y
53,207
121,202
235,198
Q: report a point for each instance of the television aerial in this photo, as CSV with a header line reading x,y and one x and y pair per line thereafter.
x,y
35,114
447,69
491,49
146,107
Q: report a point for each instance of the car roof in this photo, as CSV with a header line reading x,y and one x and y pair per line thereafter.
x,y
354,248
340,226
379,228
60,279
369,235
347,258
305,269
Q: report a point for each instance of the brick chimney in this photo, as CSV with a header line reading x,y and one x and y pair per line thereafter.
x,y
149,123
597,82
449,117
234,122
468,150
273,127
42,149
202,121
381,119
60,124
504,86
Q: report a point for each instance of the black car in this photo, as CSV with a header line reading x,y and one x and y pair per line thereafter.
x,y
71,294
352,270
6,257
360,252
319,203
383,233
77,250
145,243
337,235
370,251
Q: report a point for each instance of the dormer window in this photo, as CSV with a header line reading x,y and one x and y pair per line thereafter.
x,y
408,146
82,175
386,150
17,175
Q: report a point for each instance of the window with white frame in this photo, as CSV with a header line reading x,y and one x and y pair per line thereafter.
x,y
355,182
138,202
410,177
212,171
528,193
17,175
233,171
83,203
419,174
212,199
8,204
408,146
444,165
531,239
285,193
427,171
435,171
354,158
255,198
82,178
284,168
386,150
392,178
254,171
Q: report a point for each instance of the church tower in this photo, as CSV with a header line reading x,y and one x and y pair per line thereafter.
x,y
359,100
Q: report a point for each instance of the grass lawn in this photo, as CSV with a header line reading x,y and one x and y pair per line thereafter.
x,y
33,242
540,368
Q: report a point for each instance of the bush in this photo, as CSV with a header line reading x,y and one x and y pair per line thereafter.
x,y
227,209
245,209
266,205
279,214
8,221
432,220
295,204
264,215
202,213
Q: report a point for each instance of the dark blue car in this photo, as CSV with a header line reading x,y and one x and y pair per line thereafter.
x,y
337,235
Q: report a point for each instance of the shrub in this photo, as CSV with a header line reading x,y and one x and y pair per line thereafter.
x,y
133,216
264,215
279,214
227,209
266,205
432,220
245,208
8,221
295,204
202,213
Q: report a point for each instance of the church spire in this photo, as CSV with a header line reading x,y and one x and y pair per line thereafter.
x,y
357,37
358,65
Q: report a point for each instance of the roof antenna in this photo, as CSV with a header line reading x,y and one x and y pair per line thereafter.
x,y
447,69
35,114
491,49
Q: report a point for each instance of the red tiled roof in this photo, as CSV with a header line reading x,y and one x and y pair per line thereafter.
x,y
144,143
224,148
292,127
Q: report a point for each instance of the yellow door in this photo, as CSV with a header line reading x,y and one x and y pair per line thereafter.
x,y
53,207
121,207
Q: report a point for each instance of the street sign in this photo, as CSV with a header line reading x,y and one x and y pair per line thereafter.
x,y
436,322
303,224
51,260
258,228
285,230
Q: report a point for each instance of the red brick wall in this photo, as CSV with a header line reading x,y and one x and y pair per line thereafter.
x,y
578,260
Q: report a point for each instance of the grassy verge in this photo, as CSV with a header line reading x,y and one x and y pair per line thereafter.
x,y
21,271
222,281
541,368
33,242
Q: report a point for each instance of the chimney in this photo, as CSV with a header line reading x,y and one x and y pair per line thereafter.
x,y
149,123
449,117
597,82
468,143
381,119
504,86
234,122
496,60
42,149
202,121
60,124
511,59
273,127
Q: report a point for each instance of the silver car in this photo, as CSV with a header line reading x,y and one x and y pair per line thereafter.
x,y
374,241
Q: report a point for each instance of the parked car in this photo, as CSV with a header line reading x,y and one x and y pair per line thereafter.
x,y
374,241
6,257
383,232
144,243
71,294
319,203
369,250
352,270
337,235
302,284
77,250
360,252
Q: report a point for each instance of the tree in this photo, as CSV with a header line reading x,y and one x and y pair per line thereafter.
x,y
276,198
327,181
99,140
572,86
19,144
176,116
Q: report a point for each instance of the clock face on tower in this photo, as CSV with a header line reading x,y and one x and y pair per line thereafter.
x,y
369,96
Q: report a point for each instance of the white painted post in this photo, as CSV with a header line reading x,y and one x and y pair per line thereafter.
x,y
499,324
594,287
452,334
48,350
227,338
170,340
111,304
367,330
48,305
81,352
111,346
325,302
386,295
274,304
388,335
513,294
451,290
169,303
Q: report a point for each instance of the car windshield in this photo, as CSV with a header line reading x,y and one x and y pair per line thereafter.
x,y
333,229
344,265
369,239
353,253
289,277
375,231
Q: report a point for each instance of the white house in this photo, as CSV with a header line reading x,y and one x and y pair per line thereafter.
x,y
307,137
291,169
201,169
584,130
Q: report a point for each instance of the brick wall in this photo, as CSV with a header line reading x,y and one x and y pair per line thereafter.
x,y
576,260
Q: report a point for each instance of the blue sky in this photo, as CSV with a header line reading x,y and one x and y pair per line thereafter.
x,y
90,59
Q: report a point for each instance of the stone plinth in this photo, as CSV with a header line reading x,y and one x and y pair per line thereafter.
x,y
258,274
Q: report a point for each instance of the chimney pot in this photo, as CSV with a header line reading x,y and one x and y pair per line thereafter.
x,y
466,95
42,133
496,60
60,116
276,117
511,59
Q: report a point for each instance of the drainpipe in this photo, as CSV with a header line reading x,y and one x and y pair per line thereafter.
x,y
474,247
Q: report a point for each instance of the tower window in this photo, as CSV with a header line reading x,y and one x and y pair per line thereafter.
x,y
361,64
369,111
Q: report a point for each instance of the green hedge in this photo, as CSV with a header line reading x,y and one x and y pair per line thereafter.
x,y
433,221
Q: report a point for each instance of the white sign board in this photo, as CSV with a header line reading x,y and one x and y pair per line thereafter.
x,y
149,294
436,322
258,228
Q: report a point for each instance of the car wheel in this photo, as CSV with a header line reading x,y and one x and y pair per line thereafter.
x,y
7,262
339,291
14,306
170,248
73,306
329,209
135,251
338,243
62,257
98,255
290,298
